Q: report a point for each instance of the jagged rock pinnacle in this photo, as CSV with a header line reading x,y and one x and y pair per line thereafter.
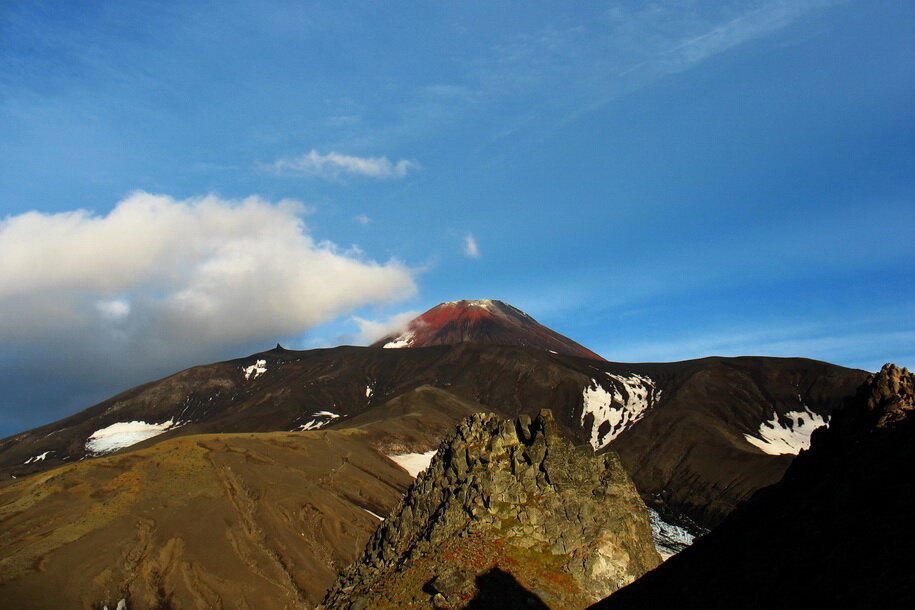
x,y
505,501
889,394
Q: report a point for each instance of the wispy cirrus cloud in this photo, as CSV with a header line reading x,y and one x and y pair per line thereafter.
x,y
334,166
471,248
632,45
567,68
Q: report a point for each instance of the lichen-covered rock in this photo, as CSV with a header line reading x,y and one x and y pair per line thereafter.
x,y
509,513
889,395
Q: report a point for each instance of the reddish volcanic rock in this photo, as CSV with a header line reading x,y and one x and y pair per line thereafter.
x,y
482,321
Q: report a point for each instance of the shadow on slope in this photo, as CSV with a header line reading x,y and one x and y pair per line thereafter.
x,y
836,532
499,589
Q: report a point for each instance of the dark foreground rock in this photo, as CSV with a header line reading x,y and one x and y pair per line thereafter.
x,y
836,532
509,514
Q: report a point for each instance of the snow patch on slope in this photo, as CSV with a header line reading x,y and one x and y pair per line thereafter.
x,y
376,515
124,434
414,463
255,370
618,404
787,434
37,458
669,539
322,418
312,424
486,304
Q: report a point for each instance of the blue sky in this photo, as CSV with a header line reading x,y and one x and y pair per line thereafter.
x,y
659,181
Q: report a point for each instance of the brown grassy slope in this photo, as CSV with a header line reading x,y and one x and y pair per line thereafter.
x,y
210,521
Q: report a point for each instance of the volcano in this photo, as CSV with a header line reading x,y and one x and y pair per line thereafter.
x,y
260,479
482,321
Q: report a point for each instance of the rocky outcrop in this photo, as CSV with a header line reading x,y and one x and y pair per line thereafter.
x,y
508,513
887,397
835,532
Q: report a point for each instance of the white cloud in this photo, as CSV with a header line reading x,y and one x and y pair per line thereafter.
x,y
371,330
471,248
362,219
333,166
114,309
167,282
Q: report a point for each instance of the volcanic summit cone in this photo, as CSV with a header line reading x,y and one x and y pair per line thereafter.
x,y
482,321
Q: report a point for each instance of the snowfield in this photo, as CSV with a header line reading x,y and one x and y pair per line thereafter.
x,y
124,434
788,434
669,539
414,463
605,401
255,370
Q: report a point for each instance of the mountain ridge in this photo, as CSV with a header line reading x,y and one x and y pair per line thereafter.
x,y
697,438
326,388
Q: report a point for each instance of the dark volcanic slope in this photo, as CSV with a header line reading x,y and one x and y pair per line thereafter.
x,y
482,321
679,428
691,454
836,532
